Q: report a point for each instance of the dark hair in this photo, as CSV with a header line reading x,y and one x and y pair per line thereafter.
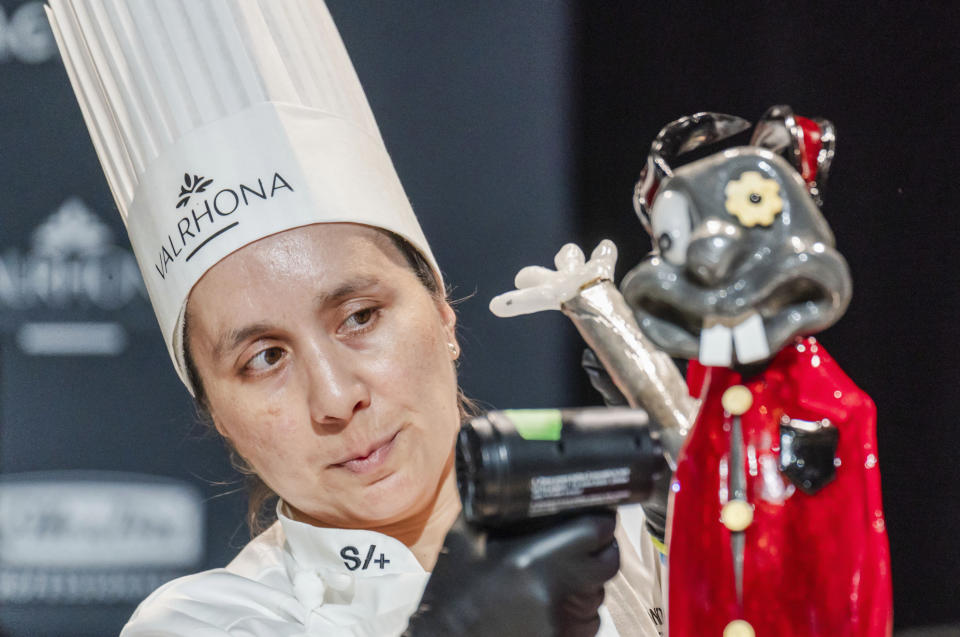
x,y
261,499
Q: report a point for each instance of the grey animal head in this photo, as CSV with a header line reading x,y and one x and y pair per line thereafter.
x,y
743,261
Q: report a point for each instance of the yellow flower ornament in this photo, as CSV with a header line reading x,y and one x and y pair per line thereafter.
x,y
753,199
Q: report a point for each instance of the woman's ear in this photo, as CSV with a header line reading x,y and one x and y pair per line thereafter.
x,y
449,320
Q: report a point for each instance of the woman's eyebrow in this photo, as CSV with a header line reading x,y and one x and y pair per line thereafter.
x,y
345,289
231,339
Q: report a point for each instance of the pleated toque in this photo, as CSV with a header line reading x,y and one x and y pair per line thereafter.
x,y
220,122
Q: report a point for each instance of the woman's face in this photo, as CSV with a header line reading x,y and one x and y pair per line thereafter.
x,y
328,366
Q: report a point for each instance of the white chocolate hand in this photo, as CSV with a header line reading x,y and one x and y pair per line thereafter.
x,y
540,288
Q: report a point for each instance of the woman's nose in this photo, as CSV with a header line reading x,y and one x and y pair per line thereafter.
x,y
337,390
713,253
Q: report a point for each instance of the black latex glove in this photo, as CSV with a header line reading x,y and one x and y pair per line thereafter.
x,y
655,508
543,582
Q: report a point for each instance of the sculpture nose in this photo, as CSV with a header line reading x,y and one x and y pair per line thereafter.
x,y
713,253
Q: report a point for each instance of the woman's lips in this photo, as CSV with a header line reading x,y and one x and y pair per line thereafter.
x,y
373,459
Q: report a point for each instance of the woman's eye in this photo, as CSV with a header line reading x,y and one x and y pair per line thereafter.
x,y
360,319
671,224
265,359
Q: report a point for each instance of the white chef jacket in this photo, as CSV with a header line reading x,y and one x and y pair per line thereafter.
x,y
296,580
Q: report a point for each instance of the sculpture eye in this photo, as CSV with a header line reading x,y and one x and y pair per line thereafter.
x,y
671,224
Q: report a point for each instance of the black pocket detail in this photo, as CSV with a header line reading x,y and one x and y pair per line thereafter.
x,y
807,453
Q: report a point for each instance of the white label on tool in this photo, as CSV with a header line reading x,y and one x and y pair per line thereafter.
x,y
546,507
573,484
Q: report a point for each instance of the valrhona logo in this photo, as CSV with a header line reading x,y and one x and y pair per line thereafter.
x,y
196,185
72,262
206,216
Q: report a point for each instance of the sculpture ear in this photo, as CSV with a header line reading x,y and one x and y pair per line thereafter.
x,y
808,144
676,138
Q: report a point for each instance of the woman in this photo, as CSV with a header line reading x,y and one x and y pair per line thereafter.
x,y
331,373
303,308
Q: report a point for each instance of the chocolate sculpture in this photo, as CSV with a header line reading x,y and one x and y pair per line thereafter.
x,y
776,526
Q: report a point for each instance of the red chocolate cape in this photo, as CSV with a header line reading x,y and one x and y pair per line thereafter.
x,y
814,565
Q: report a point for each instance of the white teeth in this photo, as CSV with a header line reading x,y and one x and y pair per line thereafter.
x,y
751,340
716,346
717,343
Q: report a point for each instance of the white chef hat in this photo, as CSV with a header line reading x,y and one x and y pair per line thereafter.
x,y
220,122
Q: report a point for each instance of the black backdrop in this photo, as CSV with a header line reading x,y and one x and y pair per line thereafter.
x,y
515,126
888,75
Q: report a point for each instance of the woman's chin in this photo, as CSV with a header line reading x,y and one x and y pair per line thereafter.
x,y
389,500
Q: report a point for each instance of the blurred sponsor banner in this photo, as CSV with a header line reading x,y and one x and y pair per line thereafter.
x,y
95,537
25,35
107,486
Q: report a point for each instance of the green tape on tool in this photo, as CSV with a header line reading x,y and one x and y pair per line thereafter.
x,y
536,424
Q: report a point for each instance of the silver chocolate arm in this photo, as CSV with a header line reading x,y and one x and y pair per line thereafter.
x,y
584,291
644,374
